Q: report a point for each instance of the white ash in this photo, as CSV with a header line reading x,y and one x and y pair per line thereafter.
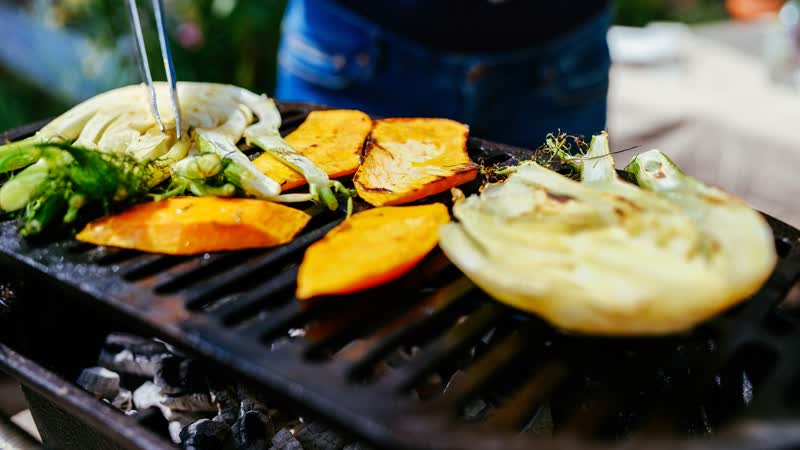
x,y
297,332
202,412
285,440
136,344
147,395
132,355
124,400
100,381
126,361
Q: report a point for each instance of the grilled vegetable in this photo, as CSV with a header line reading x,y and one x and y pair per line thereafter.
x,y
607,257
66,178
188,225
266,135
409,159
115,133
330,139
370,248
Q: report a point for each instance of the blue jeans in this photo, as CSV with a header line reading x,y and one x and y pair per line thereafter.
x,y
331,56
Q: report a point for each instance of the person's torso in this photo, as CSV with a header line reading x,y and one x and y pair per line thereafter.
x,y
477,25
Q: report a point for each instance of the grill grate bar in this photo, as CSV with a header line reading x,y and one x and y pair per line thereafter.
x,y
228,307
148,264
515,412
773,292
443,349
249,303
277,322
199,296
184,274
487,366
412,323
106,256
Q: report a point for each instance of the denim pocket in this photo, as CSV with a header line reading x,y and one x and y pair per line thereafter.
x,y
580,75
325,47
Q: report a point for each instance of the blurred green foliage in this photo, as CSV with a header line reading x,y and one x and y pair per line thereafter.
x,y
226,41
641,12
21,102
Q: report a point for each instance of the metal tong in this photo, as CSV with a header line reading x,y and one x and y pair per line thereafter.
x,y
144,64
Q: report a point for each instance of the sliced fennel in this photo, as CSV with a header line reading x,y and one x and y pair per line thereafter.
x,y
120,121
120,126
603,256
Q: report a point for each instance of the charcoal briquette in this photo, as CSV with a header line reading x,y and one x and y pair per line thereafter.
x,y
318,436
130,363
133,355
180,420
206,434
357,446
179,375
194,402
285,440
227,402
475,409
251,400
100,381
253,431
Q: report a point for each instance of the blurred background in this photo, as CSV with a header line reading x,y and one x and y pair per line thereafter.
x,y
57,52
714,83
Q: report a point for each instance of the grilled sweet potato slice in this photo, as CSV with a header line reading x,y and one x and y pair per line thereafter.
x,y
187,225
410,159
330,139
370,248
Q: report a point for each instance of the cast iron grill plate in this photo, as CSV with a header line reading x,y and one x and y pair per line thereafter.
x,y
732,382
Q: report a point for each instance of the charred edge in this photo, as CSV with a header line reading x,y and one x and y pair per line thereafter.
x,y
634,206
712,199
366,147
376,189
619,212
374,145
360,185
560,198
466,168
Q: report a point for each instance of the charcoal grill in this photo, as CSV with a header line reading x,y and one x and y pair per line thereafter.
x,y
733,382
